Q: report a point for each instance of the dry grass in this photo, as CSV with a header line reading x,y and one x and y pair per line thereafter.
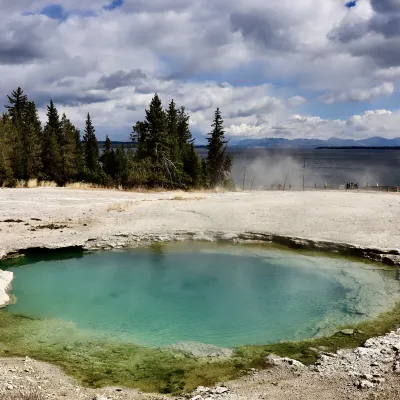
x,y
82,186
32,394
120,207
34,183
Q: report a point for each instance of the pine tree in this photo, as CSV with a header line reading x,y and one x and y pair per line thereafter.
x,y
31,142
172,129
18,106
91,147
51,152
121,166
204,174
188,153
68,150
156,126
218,161
184,134
7,132
79,158
139,140
193,167
26,142
108,158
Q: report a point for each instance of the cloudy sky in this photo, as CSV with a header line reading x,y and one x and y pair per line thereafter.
x,y
276,68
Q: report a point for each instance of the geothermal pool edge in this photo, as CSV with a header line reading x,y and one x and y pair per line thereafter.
x,y
128,240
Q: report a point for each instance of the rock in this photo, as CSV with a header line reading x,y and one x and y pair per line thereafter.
x,y
347,332
366,352
280,361
396,346
220,390
6,278
9,386
229,236
202,389
367,376
374,364
364,384
98,397
396,367
198,397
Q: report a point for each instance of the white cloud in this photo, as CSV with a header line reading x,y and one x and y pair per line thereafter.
x,y
371,123
392,73
356,95
110,64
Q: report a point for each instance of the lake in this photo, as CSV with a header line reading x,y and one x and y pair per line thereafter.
x,y
264,167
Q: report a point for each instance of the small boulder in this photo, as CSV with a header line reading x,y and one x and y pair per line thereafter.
x,y
396,346
367,376
202,389
364,384
280,361
220,390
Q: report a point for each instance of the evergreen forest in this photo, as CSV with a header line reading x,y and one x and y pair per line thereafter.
x,y
161,151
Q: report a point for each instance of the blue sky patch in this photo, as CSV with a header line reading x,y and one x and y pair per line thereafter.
x,y
351,4
54,11
113,5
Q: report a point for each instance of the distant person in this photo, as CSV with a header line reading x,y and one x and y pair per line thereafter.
x,y
325,185
315,185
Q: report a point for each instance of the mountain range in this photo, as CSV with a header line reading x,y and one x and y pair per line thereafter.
x,y
313,143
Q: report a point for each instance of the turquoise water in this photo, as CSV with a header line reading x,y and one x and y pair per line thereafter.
x,y
224,296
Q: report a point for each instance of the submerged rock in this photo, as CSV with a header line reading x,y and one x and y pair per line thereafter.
x,y
202,350
348,332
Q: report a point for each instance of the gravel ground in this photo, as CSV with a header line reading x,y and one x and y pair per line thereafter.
x,y
54,217
364,219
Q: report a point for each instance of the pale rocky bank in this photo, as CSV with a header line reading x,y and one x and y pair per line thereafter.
x,y
364,224
6,278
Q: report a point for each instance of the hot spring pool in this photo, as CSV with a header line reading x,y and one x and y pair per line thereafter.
x,y
221,295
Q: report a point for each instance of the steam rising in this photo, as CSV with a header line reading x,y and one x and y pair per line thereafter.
x,y
263,168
